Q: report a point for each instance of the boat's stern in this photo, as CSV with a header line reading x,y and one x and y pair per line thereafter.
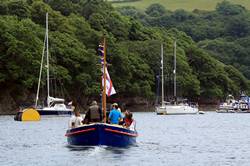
x,y
160,110
101,134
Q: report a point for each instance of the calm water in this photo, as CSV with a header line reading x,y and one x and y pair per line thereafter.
x,y
200,140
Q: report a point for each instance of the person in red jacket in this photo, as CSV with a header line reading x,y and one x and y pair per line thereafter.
x,y
129,122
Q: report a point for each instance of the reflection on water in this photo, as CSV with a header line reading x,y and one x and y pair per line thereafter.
x,y
115,150
80,148
194,140
208,108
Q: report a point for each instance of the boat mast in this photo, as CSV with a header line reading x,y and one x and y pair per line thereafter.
x,y
162,77
104,82
174,71
40,73
47,55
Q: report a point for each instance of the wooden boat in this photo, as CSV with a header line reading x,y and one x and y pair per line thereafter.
x,y
102,133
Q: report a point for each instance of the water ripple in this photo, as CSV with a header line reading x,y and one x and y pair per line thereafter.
x,y
211,139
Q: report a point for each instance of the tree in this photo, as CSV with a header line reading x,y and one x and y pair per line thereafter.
x,y
3,8
155,10
181,15
215,80
238,27
19,8
66,7
94,6
227,8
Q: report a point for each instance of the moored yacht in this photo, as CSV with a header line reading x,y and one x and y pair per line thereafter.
x,y
173,108
55,106
229,106
244,104
177,109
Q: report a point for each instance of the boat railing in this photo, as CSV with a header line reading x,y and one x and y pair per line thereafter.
x,y
193,104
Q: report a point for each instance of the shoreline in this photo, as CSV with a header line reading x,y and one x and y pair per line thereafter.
x,y
140,108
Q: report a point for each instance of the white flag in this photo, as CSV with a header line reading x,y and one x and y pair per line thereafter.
x,y
110,90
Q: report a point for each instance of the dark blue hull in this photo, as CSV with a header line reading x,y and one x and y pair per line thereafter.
x,y
101,134
53,112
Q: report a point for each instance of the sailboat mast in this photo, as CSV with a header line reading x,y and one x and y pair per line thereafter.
x,y
104,82
175,98
40,73
162,77
47,56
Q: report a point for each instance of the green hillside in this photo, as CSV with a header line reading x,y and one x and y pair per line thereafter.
x,y
212,51
181,4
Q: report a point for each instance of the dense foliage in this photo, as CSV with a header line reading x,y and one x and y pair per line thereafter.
x,y
76,28
223,33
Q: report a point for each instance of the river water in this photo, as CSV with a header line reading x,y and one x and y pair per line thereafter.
x,y
211,139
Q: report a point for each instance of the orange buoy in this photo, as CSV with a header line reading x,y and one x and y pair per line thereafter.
x,y
28,114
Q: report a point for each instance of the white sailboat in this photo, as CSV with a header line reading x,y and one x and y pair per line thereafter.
x,y
167,108
55,106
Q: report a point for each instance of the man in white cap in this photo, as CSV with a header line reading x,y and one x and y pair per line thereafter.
x,y
115,116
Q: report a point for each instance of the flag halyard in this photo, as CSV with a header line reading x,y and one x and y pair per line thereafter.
x,y
110,90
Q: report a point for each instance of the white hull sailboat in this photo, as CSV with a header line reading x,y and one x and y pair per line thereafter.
x,y
175,108
55,106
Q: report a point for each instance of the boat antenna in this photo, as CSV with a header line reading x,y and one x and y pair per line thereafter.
x,y
174,72
104,81
162,77
47,56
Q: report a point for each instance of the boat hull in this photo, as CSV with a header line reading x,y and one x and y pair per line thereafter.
x,y
101,134
54,112
226,111
176,110
244,111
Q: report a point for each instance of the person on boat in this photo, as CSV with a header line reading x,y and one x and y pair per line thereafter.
x,y
119,109
115,116
94,114
76,119
129,122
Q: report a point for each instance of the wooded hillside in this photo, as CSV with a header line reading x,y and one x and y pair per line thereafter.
x,y
134,38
